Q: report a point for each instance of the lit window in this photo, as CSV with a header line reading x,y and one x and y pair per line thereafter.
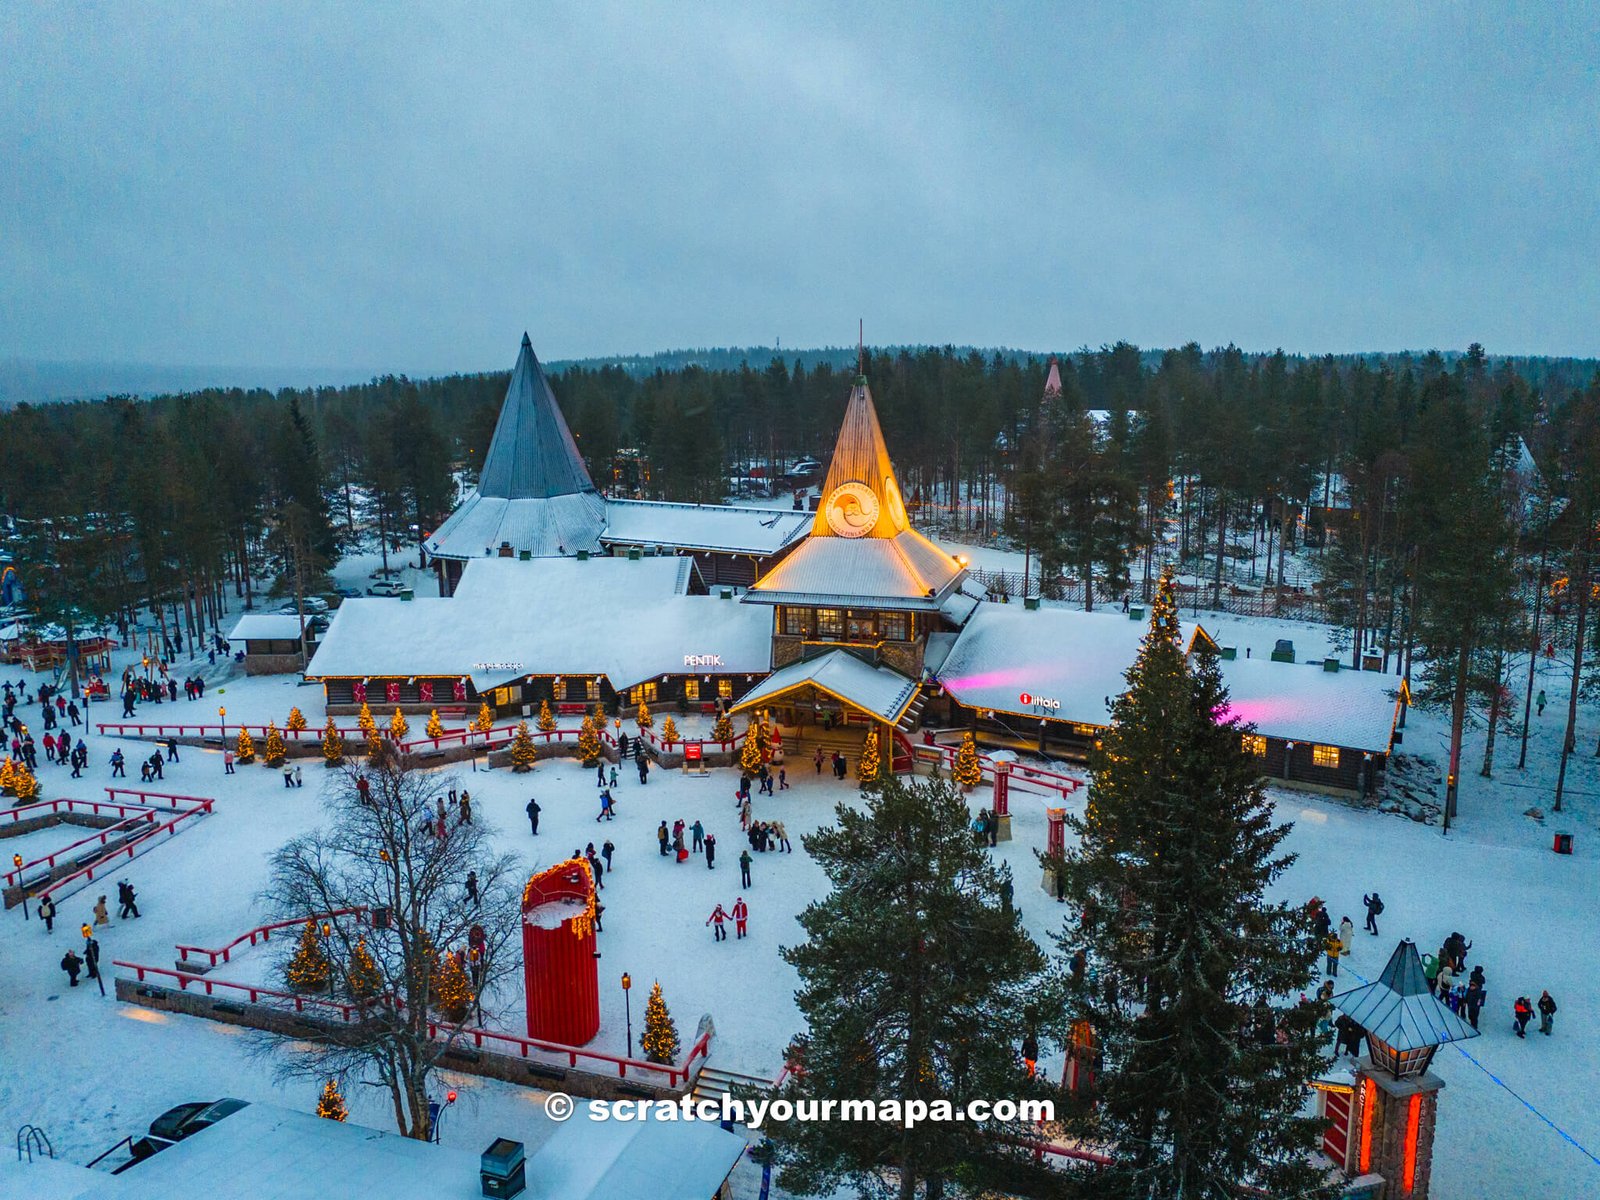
x,y
794,622
863,627
651,692
591,689
502,697
1325,756
691,689
725,688
1255,744
894,627
830,622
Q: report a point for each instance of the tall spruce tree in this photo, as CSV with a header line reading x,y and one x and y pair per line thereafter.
x,y
1197,1098
913,986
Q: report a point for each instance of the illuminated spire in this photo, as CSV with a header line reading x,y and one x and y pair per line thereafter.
x,y
861,497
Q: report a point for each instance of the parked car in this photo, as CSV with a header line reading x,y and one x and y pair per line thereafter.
x,y
387,587
178,1123
347,593
315,605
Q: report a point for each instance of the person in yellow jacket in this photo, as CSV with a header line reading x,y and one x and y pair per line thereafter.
x,y
1333,946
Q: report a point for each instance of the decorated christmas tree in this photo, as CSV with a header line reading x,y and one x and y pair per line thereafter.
x,y
309,969
435,726
547,719
296,722
366,980
364,721
968,772
452,990
275,751
485,720
750,757
588,743
375,746
523,751
24,784
764,734
669,731
660,1041
599,715
8,774
869,765
245,751
398,725
331,1102
645,719
722,731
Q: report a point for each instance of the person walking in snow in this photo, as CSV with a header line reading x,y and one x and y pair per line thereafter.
x,y
817,758
91,958
71,964
606,851
677,838
783,837
741,914
600,774
172,749
718,917
299,780
127,901
663,838
783,779
1472,1000
744,815
1333,946
1347,933
644,766
47,914
1547,1009
102,915
613,774
472,887
1430,971
118,764
607,808
744,867
711,852
227,769
1521,1014
1540,702
533,811
1374,905
1320,920
288,776
699,832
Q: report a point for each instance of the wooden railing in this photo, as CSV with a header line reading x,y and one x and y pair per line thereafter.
x,y
140,729
263,933
45,807
1040,777
120,829
70,884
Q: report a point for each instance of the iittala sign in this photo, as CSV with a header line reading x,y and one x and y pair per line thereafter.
x,y
696,661
1029,698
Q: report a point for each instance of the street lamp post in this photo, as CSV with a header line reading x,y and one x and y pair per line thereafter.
x,y
627,1007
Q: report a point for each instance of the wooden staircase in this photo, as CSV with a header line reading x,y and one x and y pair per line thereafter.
x,y
713,1083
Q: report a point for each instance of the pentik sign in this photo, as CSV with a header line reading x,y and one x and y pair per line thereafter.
x,y
696,661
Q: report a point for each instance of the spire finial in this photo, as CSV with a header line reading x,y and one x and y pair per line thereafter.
x,y
861,353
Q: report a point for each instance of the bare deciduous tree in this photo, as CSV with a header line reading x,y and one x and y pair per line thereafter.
x,y
382,852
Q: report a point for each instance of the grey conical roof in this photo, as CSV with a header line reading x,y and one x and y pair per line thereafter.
x,y
532,454
1398,1009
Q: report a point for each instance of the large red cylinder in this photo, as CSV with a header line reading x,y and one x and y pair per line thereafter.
x,y
561,978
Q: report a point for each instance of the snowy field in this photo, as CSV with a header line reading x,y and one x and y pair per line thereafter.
x,y
90,1070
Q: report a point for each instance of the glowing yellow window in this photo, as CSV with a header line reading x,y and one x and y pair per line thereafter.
x,y
1255,744
591,689
691,689
725,688
1325,756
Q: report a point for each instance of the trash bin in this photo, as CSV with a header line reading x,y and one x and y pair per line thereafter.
x,y
501,1169
1563,843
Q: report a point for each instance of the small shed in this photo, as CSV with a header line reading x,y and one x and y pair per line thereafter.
x,y
270,642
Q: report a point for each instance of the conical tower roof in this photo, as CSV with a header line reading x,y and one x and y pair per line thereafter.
x,y
534,495
860,497
862,551
1399,1010
1052,381
532,454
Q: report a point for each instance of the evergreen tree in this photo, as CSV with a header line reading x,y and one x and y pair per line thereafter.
x,y
452,990
364,978
275,751
722,729
331,1103
435,726
245,748
296,722
365,723
588,743
398,725
309,969
869,765
1177,848
485,717
750,757
660,1039
523,751
913,980
547,720
669,731
332,744
645,719
968,771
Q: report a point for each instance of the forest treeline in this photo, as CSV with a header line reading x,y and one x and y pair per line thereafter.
x,y
1410,469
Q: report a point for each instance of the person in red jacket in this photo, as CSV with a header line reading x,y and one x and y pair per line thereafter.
x,y
1521,1014
741,914
720,916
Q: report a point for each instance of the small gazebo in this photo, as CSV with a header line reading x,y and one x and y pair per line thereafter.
x,y
1405,1023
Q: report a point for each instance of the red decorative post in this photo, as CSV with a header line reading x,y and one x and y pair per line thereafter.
x,y
1002,789
1057,825
561,979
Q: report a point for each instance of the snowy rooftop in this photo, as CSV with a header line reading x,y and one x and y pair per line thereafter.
x,y
1302,702
545,527
629,620
728,528
262,627
1077,660
268,1153
877,690
905,571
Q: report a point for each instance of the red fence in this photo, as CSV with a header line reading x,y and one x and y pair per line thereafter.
x,y
675,1076
120,829
80,879
1042,778
140,729
45,807
262,933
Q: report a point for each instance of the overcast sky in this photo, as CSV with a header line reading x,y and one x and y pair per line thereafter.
x,y
408,188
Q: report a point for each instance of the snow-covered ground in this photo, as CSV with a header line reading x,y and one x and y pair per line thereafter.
x,y
91,1070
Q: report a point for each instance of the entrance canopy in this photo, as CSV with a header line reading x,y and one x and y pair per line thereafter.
x,y
876,691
